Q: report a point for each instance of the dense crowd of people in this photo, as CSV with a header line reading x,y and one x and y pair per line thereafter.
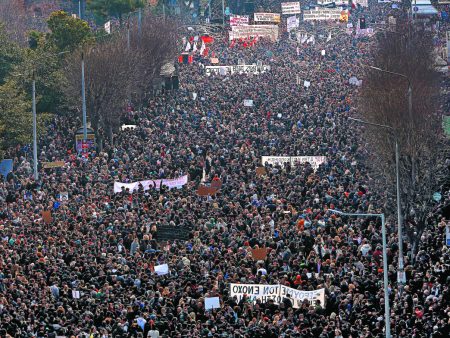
x,y
105,245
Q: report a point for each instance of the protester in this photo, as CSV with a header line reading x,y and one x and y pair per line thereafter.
x,y
90,270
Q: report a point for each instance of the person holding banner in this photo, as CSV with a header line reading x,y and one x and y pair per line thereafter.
x,y
260,257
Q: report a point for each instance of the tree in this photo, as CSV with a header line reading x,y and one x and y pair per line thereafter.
x,y
68,33
103,9
383,100
109,69
156,46
10,54
16,119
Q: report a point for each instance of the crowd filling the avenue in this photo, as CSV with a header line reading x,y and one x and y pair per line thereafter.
x,y
79,258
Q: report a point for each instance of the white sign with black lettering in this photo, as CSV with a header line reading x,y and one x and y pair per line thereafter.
x,y
322,14
315,161
288,8
240,69
267,17
277,293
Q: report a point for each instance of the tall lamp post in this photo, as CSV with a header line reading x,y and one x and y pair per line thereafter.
x,y
400,273
35,159
83,98
385,268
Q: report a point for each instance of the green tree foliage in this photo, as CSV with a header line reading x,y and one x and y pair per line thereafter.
x,y
10,55
103,9
50,78
16,119
68,33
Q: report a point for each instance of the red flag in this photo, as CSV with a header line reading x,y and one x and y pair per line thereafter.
x,y
190,59
180,59
205,52
207,39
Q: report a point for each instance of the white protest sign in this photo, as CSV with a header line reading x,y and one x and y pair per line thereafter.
x,y
362,3
108,27
149,184
212,303
267,17
298,296
322,14
162,269
248,103
323,52
75,294
256,291
277,293
290,8
292,22
263,31
315,161
128,126
239,20
240,69
306,84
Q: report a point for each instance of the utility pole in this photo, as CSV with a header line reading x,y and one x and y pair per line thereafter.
x,y
128,33
140,24
164,12
223,13
79,9
35,159
83,98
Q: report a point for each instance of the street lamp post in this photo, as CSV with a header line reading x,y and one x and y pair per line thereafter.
x,y
35,159
400,274
83,98
385,267
223,13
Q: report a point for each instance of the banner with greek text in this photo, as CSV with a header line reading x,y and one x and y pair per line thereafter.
x,y
288,8
239,20
277,293
239,69
293,160
149,184
267,17
262,31
322,14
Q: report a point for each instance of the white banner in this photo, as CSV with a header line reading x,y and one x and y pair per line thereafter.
x,y
108,27
325,2
241,69
292,23
363,3
322,14
244,32
149,184
248,103
277,293
239,20
267,17
293,160
290,8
